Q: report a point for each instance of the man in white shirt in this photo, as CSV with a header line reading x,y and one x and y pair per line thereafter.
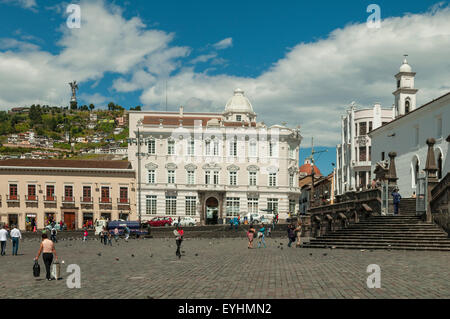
x,y
15,236
3,238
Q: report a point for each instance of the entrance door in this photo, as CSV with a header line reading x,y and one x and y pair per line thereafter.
x,y
212,211
69,220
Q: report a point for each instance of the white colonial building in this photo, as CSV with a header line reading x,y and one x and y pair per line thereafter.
x,y
407,136
353,155
213,166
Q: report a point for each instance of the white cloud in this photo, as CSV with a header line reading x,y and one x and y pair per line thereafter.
x,y
26,4
116,45
203,58
311,85
223,44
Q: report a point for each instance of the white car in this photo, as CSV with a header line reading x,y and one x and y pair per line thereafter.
x,y
184,221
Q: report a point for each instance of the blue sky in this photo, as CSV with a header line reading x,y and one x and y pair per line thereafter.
x,y
301,62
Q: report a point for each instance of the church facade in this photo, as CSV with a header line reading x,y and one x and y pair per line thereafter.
x,y
408,132
213,166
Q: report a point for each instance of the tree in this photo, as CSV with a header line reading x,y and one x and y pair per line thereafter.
x,y
137,108
84,108
91,107
35,114
111,106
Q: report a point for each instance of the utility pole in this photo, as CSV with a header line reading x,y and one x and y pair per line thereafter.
x,y
312,170
139,173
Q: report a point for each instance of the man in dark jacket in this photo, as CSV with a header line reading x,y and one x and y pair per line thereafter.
x,y
291,234
396,196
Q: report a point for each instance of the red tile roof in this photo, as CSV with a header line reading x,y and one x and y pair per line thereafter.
x,y
66,163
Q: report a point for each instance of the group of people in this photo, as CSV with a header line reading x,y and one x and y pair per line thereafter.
x,y
260,235
106,236
15,235
295,233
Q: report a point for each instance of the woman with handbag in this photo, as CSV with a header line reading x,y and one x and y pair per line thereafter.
x,y
47,249
178,239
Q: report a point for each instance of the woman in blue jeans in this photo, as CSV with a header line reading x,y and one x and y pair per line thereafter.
x,y
261,232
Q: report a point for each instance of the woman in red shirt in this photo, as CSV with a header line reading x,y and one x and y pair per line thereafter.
x,y
179,238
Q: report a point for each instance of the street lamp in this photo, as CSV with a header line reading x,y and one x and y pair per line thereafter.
x,y
138,141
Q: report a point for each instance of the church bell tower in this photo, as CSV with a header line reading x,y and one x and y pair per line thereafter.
x,y
405,94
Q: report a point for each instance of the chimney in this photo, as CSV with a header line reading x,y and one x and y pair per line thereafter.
x,y
181,110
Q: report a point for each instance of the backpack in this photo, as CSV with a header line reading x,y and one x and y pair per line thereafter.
x,y
36,269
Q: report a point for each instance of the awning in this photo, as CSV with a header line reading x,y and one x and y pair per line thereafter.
x,y
329,217
342,216
366,208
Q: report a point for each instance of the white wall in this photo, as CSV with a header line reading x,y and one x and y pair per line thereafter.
x,y
403,143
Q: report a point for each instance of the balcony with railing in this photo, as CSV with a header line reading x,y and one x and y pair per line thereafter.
x,y
13,198
123,203
31,198
105,200
49,199
68,199
86,200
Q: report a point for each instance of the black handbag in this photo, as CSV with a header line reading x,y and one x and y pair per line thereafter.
x,y
36,269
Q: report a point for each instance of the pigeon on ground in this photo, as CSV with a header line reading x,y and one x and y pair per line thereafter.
x,y
310,254
196,254
99,254
132,255
117,258
325,254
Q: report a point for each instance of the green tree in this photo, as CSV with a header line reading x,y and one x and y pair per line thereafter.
x,y
91,107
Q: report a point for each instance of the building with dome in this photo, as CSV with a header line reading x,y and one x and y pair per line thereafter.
x,y
213,166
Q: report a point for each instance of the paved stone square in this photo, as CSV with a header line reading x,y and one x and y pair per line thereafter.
x,y
224,268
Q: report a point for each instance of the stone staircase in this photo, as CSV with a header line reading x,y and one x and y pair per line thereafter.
x,y
403,232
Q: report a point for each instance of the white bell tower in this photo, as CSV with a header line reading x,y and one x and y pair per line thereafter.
x,y
405,94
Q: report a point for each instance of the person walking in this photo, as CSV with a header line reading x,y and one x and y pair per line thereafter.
x,y
105,236
250,236
298,233
274,221
261,232
396,196
47,249
109,238
179,233
53,235
291,234
15,236
116,234
3,239
85,234
269,230
101,235
127,233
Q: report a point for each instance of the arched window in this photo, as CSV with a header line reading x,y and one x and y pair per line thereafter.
x,y
407,106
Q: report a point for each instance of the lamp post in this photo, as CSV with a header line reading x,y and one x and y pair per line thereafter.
x,y
138,141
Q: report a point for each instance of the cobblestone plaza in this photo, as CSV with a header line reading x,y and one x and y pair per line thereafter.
x,y
224,268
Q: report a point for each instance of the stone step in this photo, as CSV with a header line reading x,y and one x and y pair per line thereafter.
x,y
428,237
390,233
378,247
442,242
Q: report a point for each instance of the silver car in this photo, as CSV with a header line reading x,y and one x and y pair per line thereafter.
x,y
184,221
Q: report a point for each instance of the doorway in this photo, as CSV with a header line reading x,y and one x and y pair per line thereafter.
x,y
13,219
212,211
69,220
30,222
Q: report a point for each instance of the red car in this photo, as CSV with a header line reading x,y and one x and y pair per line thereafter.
x,y
160,221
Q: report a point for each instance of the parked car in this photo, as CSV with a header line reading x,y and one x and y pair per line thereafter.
x,y
184,221
160,221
